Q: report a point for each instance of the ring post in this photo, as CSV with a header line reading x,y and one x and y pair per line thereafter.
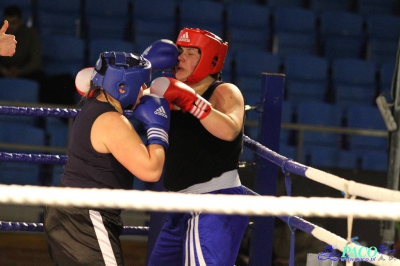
x,y
262,233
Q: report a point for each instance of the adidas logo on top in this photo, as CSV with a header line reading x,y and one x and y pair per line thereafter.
x,y
184,37
160,111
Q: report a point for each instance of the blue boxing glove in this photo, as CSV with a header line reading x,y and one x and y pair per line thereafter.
x,y
153,111
162,54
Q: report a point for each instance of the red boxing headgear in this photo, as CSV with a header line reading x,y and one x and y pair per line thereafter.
x,y
213,52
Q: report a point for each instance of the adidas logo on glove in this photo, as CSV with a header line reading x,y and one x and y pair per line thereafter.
x,y
161,111
184,37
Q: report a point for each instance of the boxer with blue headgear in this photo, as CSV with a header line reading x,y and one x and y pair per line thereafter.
x,y
121,75
106,151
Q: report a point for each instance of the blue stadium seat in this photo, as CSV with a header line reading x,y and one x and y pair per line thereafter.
x,y
21,134
349,159
302,91
306,68
341,23
299,20
154,20
319,114
63,55
227,70
341,35
287,118
292,43
288,151
354,81
334,47
208,15
365,117
159,10
97,46
285,3
383,33
367,7
19,90
321,157
248,26
56,174
59,17
381,50
104,21
250,64
252,132
329,5
383,26
20,173
57,130
386,73
306,77
287,112
147,32
375,161
294,31
241,38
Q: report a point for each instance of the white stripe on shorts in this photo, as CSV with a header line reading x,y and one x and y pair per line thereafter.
x,y
102,238
192,236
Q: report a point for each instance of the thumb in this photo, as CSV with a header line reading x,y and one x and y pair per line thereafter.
x,y
4,27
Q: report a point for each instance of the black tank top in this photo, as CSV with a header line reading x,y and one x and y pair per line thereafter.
x,y
194,154
85,167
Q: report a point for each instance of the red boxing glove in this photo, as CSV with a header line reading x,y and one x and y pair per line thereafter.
x,y
183,96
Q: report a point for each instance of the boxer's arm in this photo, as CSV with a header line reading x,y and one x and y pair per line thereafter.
x,y
223,117
225,120
113,133
179,94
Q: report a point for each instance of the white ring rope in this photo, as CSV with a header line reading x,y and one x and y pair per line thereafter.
x,y
225,204
353,188
348,186
340,243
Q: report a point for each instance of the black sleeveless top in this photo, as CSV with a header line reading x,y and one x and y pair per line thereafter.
x,y
85,167
195,155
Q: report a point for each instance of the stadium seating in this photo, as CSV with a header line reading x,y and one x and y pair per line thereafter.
x,y
354,81
248,26
59,17
306,77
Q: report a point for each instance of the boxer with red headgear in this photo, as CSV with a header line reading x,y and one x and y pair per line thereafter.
x,y
105,151
206,140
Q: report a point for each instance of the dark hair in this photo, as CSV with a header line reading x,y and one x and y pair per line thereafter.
x,y
11,11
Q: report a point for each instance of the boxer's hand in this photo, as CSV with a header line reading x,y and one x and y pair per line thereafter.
x,y
153,111
7,41
183,96
162,54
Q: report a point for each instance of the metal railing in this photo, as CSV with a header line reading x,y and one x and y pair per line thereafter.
x,y
301,128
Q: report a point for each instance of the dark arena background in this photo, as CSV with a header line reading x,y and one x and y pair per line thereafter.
x,y
336,107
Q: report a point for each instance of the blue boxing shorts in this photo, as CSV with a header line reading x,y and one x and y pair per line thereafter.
x,y
196,239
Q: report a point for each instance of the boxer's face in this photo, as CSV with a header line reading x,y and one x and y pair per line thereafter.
x,y
188,59
141,91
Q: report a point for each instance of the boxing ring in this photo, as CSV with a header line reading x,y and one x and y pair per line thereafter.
x,y
262,204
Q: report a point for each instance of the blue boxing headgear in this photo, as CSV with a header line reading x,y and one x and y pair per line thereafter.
x,y
122,75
